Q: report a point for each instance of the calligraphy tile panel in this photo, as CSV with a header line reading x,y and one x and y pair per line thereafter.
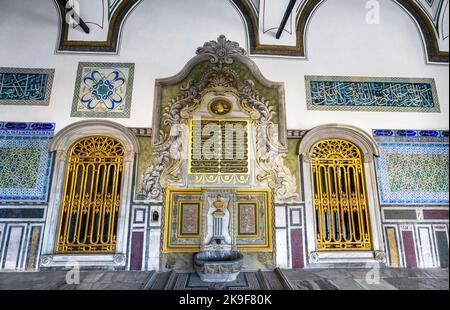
x,y
413,167
20,86
371,94
25,162
103,90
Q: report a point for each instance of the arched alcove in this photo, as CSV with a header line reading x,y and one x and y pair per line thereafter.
x,y
369,149
62,144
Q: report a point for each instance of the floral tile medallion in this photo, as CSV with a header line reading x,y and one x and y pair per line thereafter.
x,y
103,90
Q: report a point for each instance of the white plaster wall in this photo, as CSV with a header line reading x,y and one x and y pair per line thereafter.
x,y
160,36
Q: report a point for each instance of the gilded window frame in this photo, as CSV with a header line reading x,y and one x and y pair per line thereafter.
x,y
369,150
61,144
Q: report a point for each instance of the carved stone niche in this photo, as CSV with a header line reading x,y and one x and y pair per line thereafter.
x,y
222,84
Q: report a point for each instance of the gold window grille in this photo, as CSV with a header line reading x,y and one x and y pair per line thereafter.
x,y
91,198
340,201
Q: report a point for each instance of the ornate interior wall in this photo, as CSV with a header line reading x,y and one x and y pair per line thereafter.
x,y
25,176
413,211
221,86
412,175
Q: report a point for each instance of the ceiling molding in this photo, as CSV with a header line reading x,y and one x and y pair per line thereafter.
x,y
428,31
116,16
307,9
256,48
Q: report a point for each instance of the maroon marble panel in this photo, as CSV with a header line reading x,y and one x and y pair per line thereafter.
x,y
137,242
297,248
435,214
409,247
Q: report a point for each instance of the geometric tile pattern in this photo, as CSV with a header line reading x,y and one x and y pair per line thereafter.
x,y
25,162
427,171
413,172
413,177
20,86
371,94
23,175
103,90
390,135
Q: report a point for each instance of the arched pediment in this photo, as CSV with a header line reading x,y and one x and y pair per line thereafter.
x,y
220,64
65,138
221,70
360,138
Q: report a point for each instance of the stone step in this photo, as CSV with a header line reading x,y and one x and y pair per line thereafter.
x,y
259,280
171,281
160,280
150,280
287,285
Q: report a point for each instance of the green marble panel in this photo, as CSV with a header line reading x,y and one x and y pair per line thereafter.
x,y
145,160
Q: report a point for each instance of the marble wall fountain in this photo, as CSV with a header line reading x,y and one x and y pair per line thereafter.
x,y
218,261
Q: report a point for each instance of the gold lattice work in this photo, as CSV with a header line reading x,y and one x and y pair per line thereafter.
x,y
90,207
340,202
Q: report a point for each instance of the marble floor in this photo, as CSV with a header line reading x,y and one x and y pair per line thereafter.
x,y
302,279
368,279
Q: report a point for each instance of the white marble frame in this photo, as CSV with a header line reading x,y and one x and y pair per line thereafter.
x,y
61,144
369,149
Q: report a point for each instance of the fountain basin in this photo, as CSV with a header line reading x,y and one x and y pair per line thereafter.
x,y
218,266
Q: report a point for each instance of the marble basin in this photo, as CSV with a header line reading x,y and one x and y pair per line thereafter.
x,y
218,266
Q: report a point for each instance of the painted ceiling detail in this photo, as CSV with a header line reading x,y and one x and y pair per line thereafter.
x,y
263,19
431,16
437,12
104,18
